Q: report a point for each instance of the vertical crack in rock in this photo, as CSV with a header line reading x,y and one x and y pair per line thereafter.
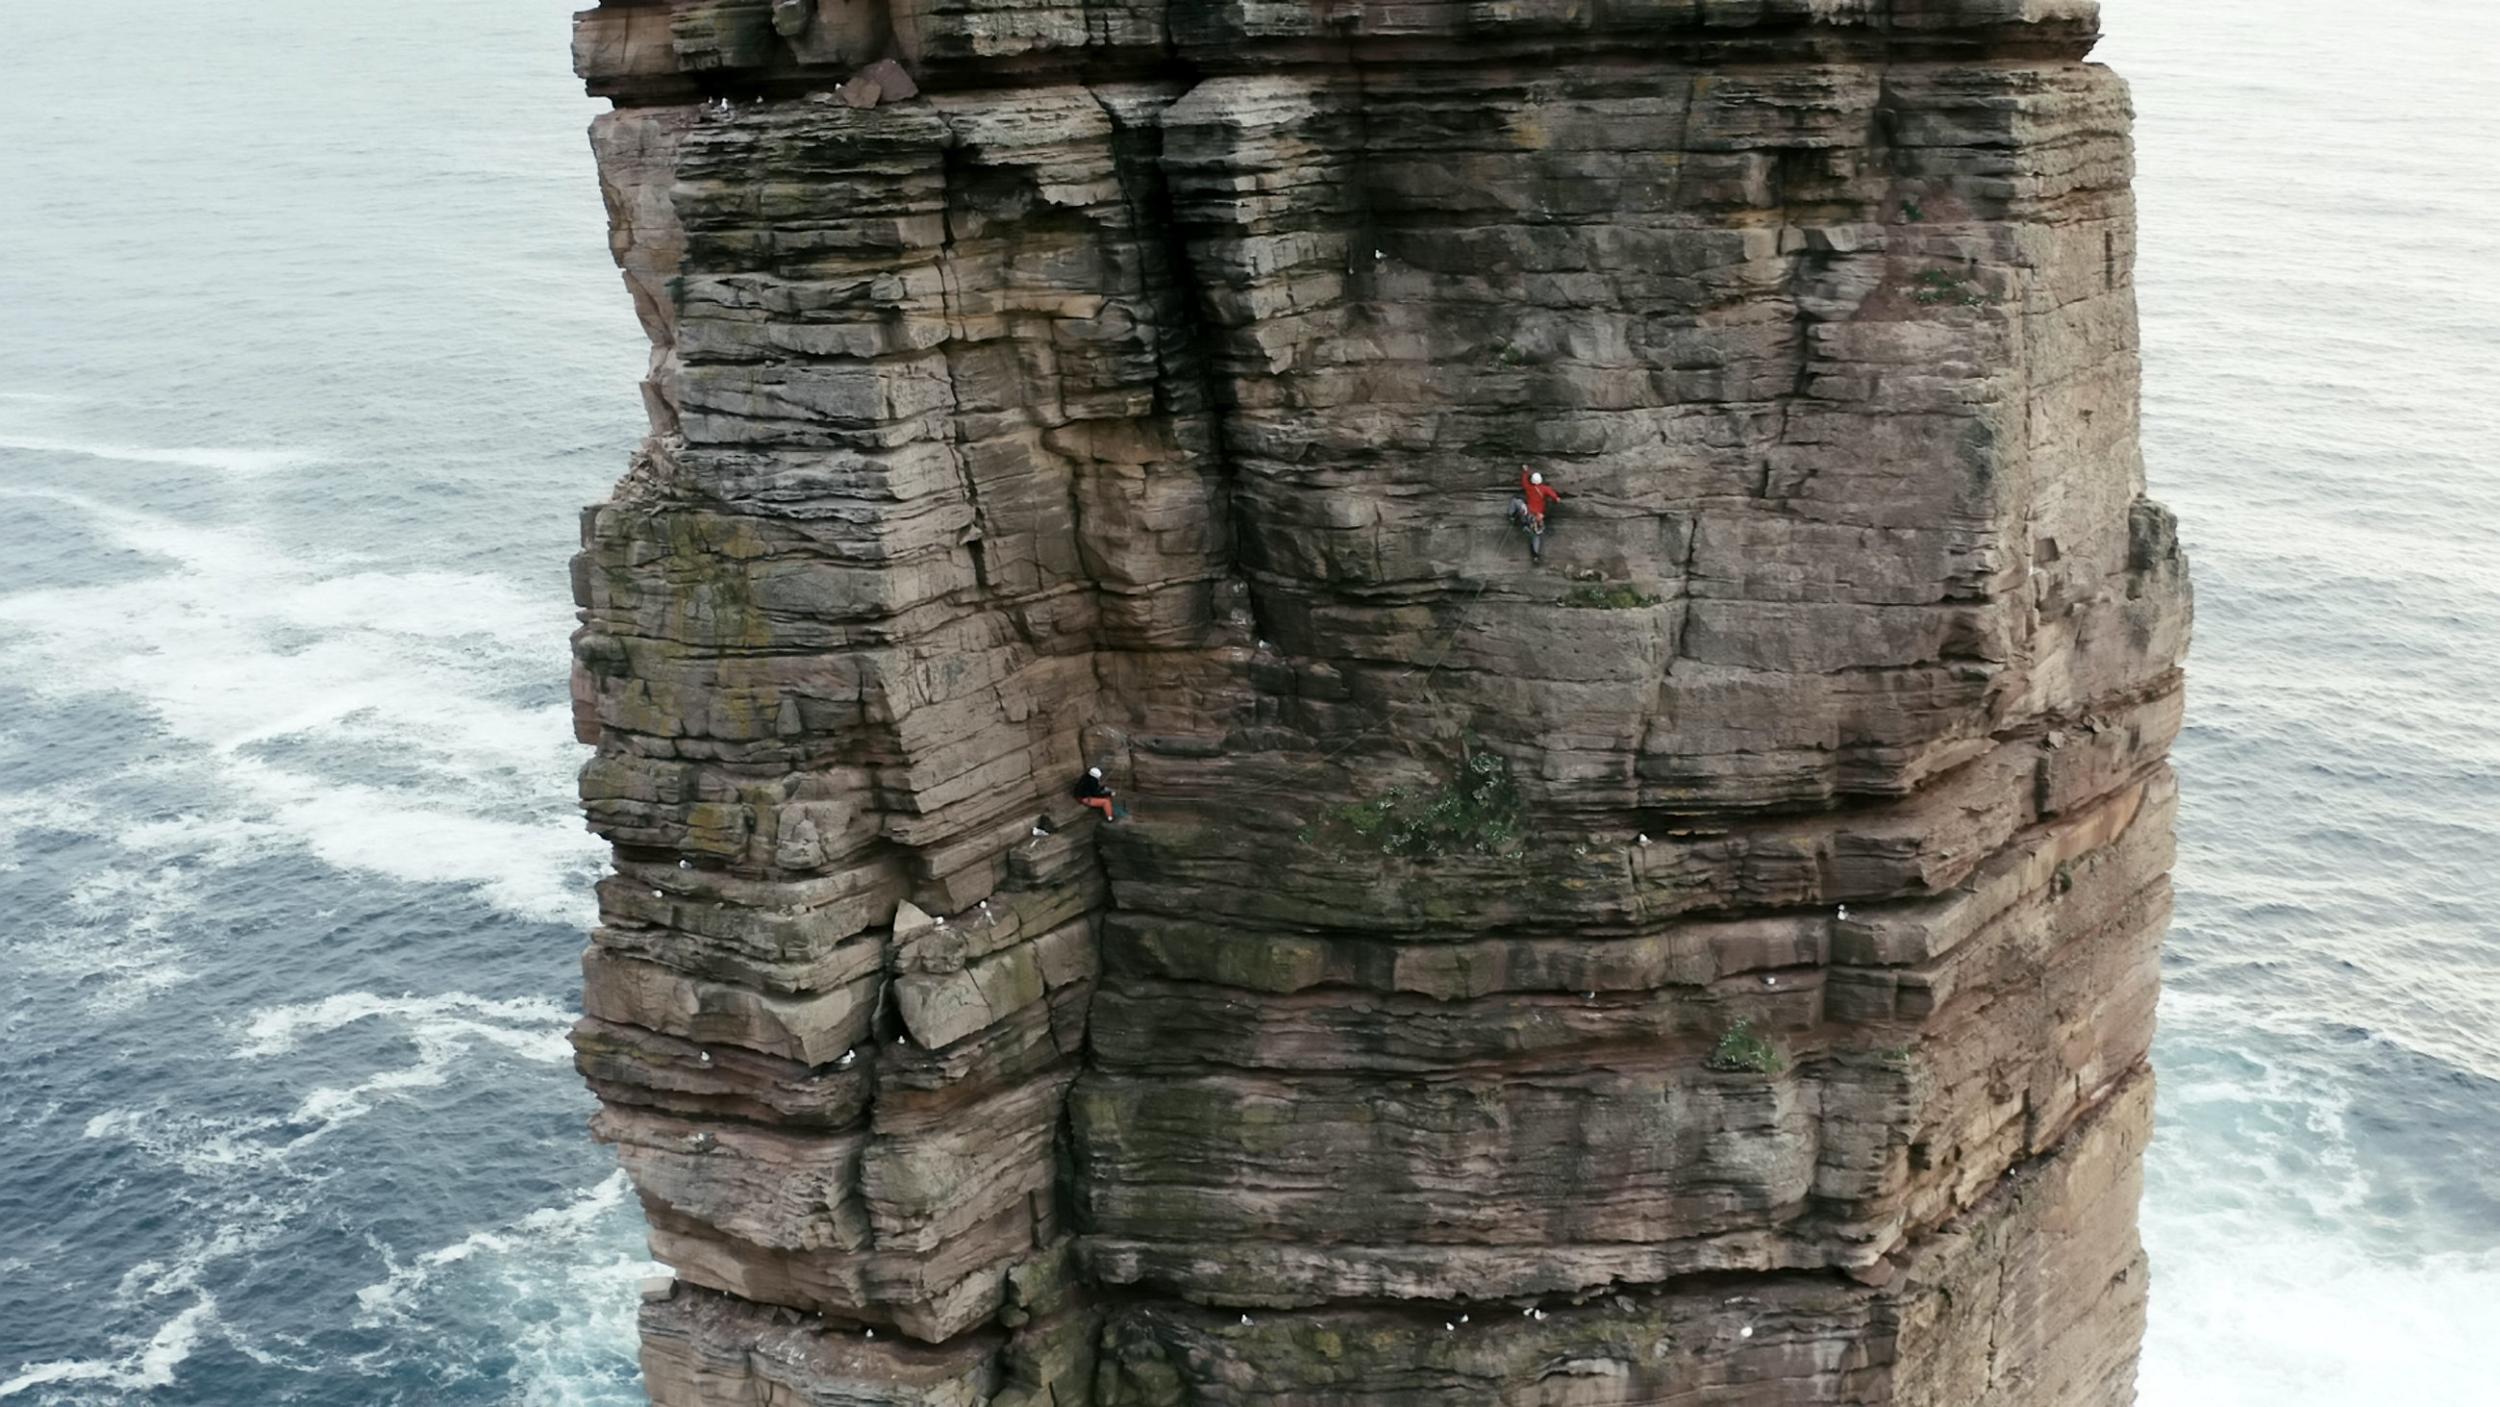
x,y
1713,965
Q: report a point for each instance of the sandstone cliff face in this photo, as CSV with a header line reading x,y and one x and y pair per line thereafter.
x,y
1714,965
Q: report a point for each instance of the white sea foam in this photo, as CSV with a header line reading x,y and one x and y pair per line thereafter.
x,y
2277,1277
531,1026
577,1273
445,1030
538,871
2289,1143
144,1365
2251,1312
283,674
583,1354
260,1192
147,1366
53,808
562,1280
115,941
536,1236
440,1046
118,941
109,980
202,1148
236,461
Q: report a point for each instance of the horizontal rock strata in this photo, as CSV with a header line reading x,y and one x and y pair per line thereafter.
x,y
1711,964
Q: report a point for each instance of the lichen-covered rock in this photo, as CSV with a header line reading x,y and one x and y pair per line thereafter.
x,y
1711,962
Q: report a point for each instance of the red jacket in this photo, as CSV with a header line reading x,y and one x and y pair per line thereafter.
x,y
1538,497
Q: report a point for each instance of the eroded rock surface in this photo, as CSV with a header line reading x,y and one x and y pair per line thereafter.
x,y
1714,965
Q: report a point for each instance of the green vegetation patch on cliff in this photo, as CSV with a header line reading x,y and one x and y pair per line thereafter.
x,y
1742,1051
1608,596
1477,812
1936,286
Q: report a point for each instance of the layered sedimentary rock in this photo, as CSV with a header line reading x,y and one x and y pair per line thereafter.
x,y
1713,964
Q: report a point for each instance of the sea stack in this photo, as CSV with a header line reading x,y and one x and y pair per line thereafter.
x,y
1714,964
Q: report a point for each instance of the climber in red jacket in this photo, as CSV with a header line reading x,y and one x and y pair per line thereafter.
x,y
1529,508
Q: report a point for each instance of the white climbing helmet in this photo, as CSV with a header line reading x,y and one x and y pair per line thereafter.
x,y
1094,772
1536,478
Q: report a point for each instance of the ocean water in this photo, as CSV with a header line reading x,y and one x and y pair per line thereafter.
x,y
312,347
2322,408
309,350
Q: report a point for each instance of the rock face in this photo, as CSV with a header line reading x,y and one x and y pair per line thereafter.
x,y
1712,965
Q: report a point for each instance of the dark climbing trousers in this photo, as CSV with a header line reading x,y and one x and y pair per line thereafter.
x,y
1533,525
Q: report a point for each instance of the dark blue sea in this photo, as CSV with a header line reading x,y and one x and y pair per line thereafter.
x,y
309,348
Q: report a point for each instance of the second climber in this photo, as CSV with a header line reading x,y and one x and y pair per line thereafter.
x,y
1096,793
